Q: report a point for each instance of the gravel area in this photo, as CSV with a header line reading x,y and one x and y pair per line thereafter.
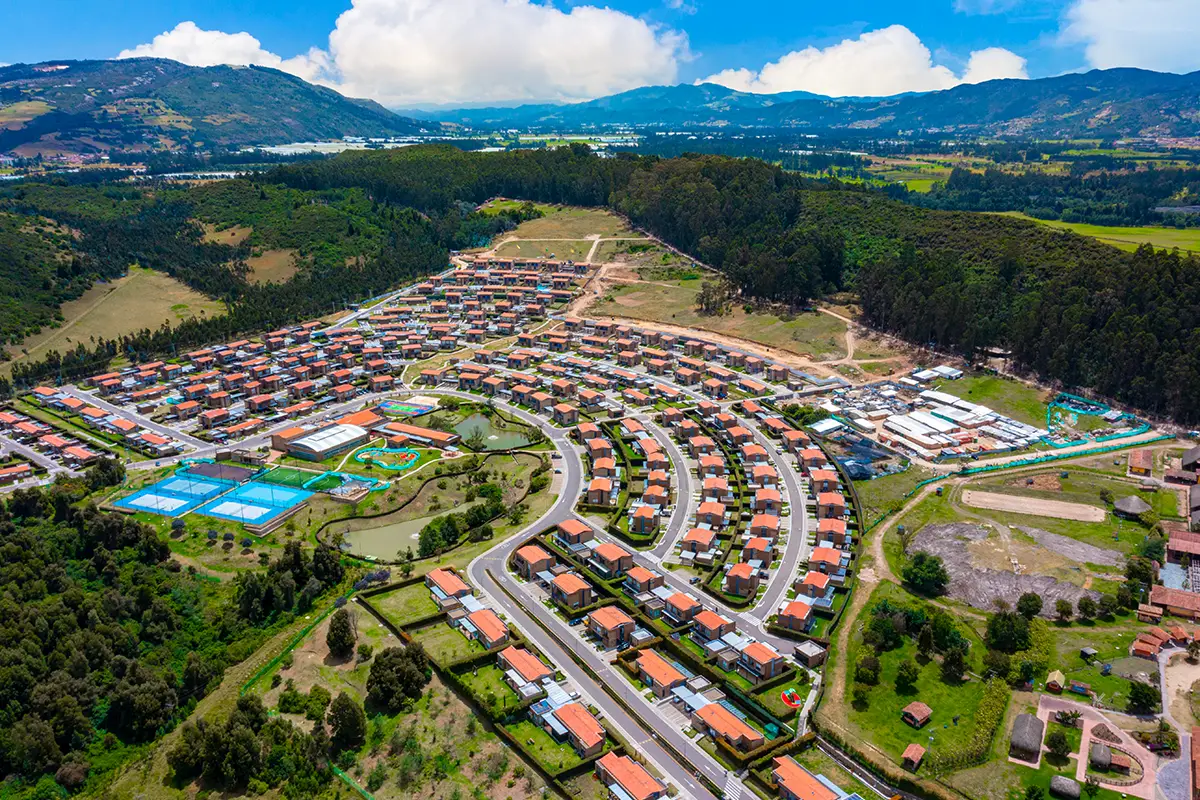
x,y
1172,777
980,587
1075,550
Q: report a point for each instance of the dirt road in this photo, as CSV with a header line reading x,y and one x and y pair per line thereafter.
x,y
1039,507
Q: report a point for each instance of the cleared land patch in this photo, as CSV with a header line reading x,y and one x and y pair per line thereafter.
x,y
143,298
272,266
818,335
1037,507
232,236
572,223
16,115
576,250
1020,401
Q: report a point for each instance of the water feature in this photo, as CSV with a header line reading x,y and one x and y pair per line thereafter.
x,y
494,438
385,539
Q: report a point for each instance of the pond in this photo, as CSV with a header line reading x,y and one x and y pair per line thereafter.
x,y
494,438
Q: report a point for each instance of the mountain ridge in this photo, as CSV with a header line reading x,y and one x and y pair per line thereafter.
x,y
1116,102
94,106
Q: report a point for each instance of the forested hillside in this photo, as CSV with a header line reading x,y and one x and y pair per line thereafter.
x,y
1074,310
106,643
347,248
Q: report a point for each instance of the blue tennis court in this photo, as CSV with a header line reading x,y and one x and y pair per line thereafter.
x,y
174,495
254,503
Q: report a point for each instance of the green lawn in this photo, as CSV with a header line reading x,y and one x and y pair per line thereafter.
x,y
445,644
406,605
879,722
772,699
882,494
552,755
1009,397
1126,238
488,686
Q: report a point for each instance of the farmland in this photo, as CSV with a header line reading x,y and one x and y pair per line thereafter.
x,y
1126,238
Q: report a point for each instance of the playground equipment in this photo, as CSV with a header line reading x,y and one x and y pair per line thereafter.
x,y
408,458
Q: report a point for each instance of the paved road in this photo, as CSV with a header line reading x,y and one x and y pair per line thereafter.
x,y
156,427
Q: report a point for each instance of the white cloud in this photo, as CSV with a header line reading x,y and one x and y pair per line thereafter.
x,y
878,63
985,7
408,52
190,44
1152,34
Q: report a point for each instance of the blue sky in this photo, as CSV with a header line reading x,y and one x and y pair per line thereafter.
x,y
458,51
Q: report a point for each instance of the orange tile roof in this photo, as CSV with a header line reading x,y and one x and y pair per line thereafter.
x,y
797,609
742,570
826,555
490,625
640,574
609,617
581,724
527,665
631,776
661,671
799,782
760,653
447,581
611,552
710,620
569,583
573,526
532,553
725,724
682,601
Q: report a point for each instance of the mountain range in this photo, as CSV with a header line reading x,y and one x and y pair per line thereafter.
x,y
150,103
95,106
1100,103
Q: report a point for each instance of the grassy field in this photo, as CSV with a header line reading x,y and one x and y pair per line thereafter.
x,y
1012,398
500,205
878,721
554,756
818,335
406,605
232,236
445,644
17,114
272,266
883,494
571,223
575,250
1126,238
142,299
1080,487
639,252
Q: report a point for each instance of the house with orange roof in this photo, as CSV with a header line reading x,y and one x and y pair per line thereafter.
x,y
582,729
486,627
566,414
572,591
711,466
830,505
522,667
15,473
765,526
610,560
813,584
574,532
827,560
758,549
833,530
658,673
797,783
768,501
711,514
760,662
644,520
698,540
530,560
716,490
709,626
812,458
611,625
796,615
627,779
719,723
681,609
601,492
742,580
638,579
445,583
604,468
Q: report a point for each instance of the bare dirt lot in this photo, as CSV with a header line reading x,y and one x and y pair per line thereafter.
x,y
1036,507
1181,675
975,563
1074,549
